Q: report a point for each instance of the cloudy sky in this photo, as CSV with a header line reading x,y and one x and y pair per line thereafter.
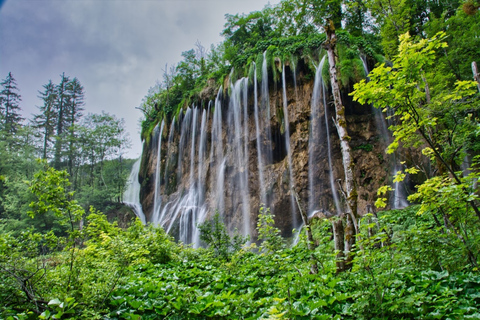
x,y
116,48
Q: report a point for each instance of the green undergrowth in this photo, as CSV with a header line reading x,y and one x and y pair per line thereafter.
x,y
404,267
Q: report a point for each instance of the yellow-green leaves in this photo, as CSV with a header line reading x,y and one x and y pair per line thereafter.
x,y
412,170
382,201
399,177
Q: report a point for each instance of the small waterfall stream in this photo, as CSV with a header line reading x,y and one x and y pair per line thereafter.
x,y
157,201
267,117
319,100
287,147
131,197
238,145
258,139
217,155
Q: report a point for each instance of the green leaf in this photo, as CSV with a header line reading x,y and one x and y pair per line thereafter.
x,y
54,302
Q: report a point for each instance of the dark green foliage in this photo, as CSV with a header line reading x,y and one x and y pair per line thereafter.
x,y
215,235
366,147
385,283
10,117
455,60
45,120
406,266
268,233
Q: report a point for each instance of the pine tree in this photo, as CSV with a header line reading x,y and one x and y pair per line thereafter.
x,y
9,107
73,115
45,121
61,105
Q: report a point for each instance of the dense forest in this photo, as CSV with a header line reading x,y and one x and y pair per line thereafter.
x,y
89,148
62,171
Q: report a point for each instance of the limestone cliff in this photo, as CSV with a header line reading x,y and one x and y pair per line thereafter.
x,y
231,154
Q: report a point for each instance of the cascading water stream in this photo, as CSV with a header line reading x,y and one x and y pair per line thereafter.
x,y
201,157
239,147
217,156
157,202
291,182
265,107
184,134
170,159
131,197
314,144
258,139
201,212
188,215
319,99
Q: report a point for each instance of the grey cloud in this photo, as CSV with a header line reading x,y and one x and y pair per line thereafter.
x,y
116,48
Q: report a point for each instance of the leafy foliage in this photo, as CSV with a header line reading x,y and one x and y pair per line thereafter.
x,y
267,233
407,266
215,235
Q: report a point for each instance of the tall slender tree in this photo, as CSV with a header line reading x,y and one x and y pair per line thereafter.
x,y
73,115
45,120
61,106
341,124
9,106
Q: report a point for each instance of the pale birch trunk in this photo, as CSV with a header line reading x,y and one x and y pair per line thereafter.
x,y
341,124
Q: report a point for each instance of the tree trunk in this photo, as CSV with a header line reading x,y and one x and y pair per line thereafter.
x,y
476,74
341,124
338,238
310,241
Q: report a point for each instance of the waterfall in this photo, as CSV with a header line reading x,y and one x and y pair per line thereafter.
x,y
314,143
291,181
131,197
319,99
258,139
201,157
184,134
200,217
399,197
157,201
188,207
170,158
238,146
265,107
220,158
217,155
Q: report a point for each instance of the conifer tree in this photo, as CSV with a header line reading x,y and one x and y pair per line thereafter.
x,y
45,121
61,105
9,106
74,113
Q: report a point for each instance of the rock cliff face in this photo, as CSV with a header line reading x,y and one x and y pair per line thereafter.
x,y
239,151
